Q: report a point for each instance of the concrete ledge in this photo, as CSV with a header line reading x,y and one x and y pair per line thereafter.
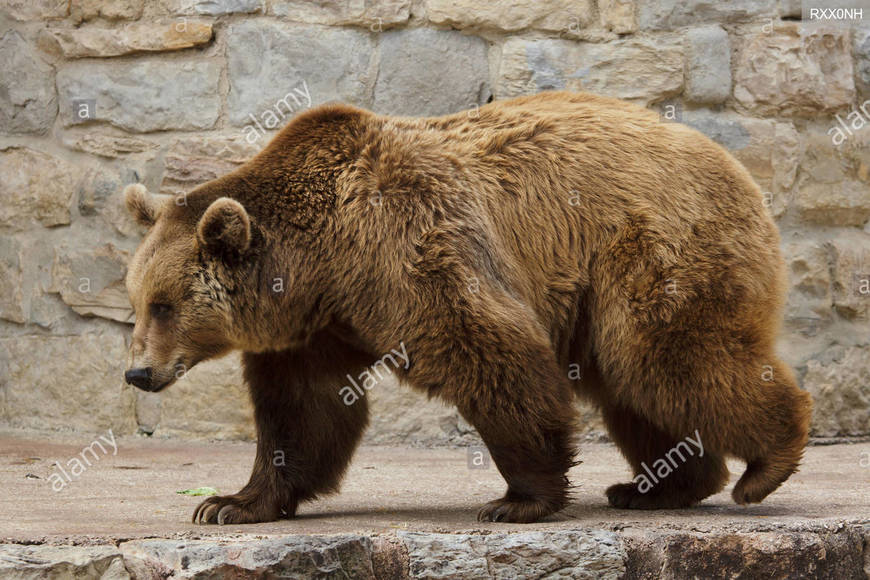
x,y
404,555
409,513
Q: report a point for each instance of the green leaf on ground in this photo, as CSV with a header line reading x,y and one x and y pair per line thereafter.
x,y
198,491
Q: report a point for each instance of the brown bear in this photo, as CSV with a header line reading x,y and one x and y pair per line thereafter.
x,y
508,251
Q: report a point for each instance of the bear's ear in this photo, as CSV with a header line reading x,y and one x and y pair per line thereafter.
x,y
143,206
225,225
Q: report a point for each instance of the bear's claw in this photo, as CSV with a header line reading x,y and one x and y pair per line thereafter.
x,y
226,509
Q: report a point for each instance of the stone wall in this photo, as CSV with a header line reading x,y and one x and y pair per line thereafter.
x,y
97,94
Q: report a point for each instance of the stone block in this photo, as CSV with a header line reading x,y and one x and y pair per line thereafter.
x,y
794,70
431,72
810,296
850,271
92,41
143,95
511,15
71,382
644,70
35,188
619,16
843,204
539,554
28,102
23,10
91,281
672,14
708,65
832,180
757,554
338,556
110,146
839,381
47,561
861,54
277,69
109,9
98,185
374,14
212,7
11,296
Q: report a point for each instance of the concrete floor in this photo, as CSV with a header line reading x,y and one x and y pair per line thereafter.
x,y
133,494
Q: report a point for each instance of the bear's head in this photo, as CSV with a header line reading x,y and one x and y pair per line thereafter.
x,y
180,281
256,260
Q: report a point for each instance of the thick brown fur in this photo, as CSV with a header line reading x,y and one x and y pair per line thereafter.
x,y
503,249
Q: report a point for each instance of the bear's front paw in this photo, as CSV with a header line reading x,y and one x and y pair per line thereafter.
x,y
515,511
231,509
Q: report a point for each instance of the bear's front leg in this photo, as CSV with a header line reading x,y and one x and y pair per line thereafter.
x,y
306,435
527,425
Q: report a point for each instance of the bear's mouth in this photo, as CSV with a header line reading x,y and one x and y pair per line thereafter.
x,y
156,388
164,377
179,371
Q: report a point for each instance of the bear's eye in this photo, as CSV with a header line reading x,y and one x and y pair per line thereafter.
x,y
160,311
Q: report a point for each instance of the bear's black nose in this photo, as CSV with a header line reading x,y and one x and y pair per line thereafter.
x,y
140,377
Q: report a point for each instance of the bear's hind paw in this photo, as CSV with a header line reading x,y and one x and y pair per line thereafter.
x,y
627,496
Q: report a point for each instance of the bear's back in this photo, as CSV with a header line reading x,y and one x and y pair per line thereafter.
x,y
617,147
610,156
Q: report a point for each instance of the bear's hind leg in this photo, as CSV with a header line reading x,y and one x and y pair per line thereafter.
x,y
662,479
306,434
786,412
741,403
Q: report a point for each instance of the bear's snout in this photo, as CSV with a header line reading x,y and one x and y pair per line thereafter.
x,y
140,378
